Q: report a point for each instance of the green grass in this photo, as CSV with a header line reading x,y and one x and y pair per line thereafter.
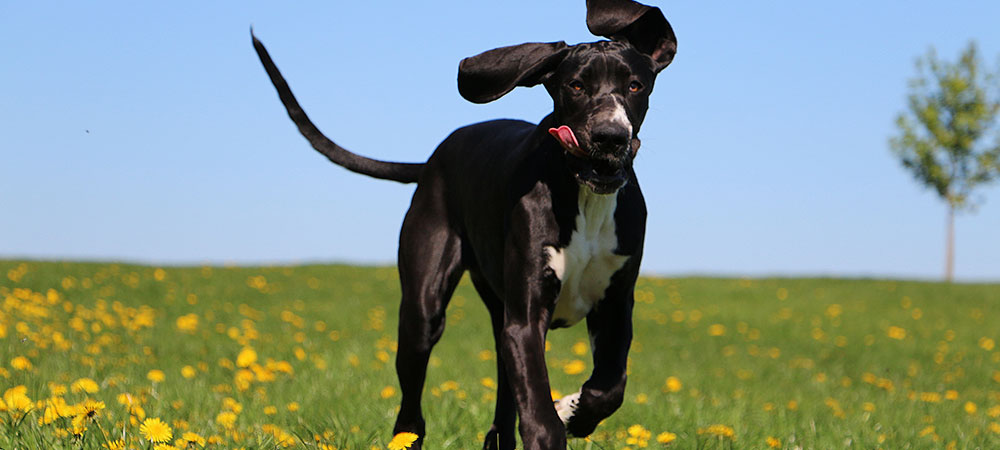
x,y
813,363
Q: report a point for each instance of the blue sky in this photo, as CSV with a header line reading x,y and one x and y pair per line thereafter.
x,y
148,132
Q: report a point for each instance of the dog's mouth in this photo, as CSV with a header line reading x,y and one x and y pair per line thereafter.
x,y
603,175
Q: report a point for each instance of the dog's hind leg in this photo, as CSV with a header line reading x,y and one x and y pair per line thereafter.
x,y
502,433
429,269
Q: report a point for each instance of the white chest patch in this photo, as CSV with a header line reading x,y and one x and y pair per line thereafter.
x,y
585,266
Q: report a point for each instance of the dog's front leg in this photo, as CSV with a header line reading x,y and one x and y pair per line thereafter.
x,y
610,329
529,299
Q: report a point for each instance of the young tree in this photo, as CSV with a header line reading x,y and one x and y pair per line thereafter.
x,y
945,136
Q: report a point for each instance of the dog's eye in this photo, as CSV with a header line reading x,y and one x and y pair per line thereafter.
x,y
635,86
576,85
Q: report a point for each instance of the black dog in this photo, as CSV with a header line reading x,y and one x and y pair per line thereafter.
x,y
548,219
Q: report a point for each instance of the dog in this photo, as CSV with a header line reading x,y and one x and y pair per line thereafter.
x,y
547,219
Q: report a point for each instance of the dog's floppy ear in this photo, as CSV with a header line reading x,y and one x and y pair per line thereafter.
x,y
489,75
642,26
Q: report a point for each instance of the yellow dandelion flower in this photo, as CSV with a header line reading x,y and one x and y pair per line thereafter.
x,y
387,392
190,438
930,397
16,391
188,372
79,425
666,437
580,348
20,363
283,367
16,399
970,408
270,410
50,414
17,403
638,436
717,329
574,367
246,357
773,442
137,414
156,376
84,385
638,431
292,407
719,430
231,404
187,323
155,430
402,441
242,379
126,399
59,409
115,445
57,389
673,384
90,408
897,333
226,419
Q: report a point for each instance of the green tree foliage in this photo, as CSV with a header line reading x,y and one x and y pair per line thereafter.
x,y
946,136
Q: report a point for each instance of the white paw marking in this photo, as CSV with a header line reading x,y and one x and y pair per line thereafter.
x,y
566,407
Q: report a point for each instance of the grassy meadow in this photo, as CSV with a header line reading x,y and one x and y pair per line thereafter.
x,y
126,356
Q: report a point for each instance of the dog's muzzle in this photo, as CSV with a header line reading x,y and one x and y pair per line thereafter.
x,y
610,139
603,168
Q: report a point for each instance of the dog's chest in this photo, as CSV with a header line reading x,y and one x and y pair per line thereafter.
x,y
585,266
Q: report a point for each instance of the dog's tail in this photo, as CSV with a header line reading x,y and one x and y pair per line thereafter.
x,y
401,172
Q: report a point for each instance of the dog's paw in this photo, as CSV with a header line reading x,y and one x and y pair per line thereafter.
x,y
566,407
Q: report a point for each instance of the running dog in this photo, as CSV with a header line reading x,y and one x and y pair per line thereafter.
x,y
548,219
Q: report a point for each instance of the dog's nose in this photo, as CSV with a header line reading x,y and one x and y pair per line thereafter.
x,y
609,138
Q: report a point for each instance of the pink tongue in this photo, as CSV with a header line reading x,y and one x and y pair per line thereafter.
x,y
566,137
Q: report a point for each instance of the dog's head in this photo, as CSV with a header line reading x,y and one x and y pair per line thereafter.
x,y
600,90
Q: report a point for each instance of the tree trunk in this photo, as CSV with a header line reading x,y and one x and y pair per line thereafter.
x,y
949,262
